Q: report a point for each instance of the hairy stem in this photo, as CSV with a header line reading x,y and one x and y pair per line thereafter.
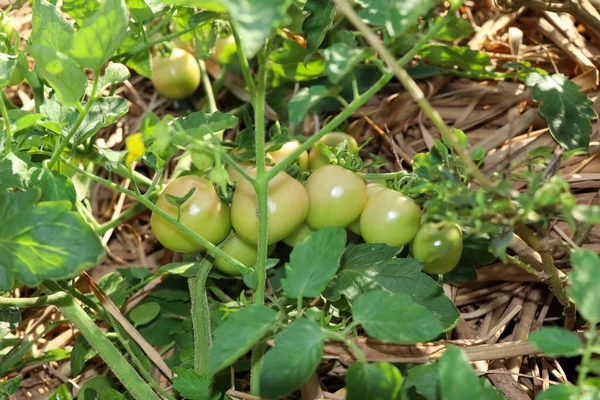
x,y
7,128
201,318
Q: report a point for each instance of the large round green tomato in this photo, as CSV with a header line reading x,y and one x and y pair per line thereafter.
x,y
287,149
337,197
287,208
299,235
244,252
204,213
332,139
391,218
372,190
176,76
234,175
439,246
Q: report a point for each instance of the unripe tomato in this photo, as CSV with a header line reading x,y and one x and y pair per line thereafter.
x,y
391,218
244,252
176,76
287,208
287,149
234,175
204,213
337,197
223,45
299,235
7,28
439,246
372,189
202,159
332,139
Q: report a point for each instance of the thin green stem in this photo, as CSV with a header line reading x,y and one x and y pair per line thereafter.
x,y
218,292
211,248
201,318
113,223
7,128
162,20
363,98
261,185
244,64
299,307
51,299
146,45
584,367
83,112
348,342
230,161
87,214
208,91
385,175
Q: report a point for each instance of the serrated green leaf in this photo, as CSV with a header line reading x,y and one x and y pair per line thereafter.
x,y
450,56
185,269
455,28
420,377
190,384
42,241
50,28
54,187
584,283
101,34
15,171
555,341
61,73
376,381
317,24
456,374
199,124
395,317
144,313
115,73
369,267
314,262
341,59
61,393
303,100
235,336
297,353
81,353
566,110
10,386
104,112
80,9
395,16
21,120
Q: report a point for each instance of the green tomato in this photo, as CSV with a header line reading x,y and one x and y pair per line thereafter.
x,y
391,218
244,252
337,197
299,235
7,28
202,159
287,149
204,213
287,208
176,76
372,189
234,175
439,246
223,49
332,139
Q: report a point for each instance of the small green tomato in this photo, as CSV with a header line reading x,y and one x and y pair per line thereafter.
x,y
372,189
332,139
299,235
242,251
439,246
176,76
287,149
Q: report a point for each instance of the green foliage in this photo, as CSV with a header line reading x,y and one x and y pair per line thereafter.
x,y
190,384
584,285
395,16
377,381
144,313
81,353
317,24
557,342
10,386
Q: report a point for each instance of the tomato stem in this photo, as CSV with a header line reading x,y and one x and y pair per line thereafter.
x,y
244,64
201,318
208,90
8,143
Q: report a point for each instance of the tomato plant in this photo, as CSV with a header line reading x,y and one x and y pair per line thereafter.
x,y
439,246
177,75
320,156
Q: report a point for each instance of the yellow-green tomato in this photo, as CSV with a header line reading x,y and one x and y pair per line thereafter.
x,y
299,235
391,218
234,175
223,45
372,189
337,197
176,76
332,139
287,149
287,206
246,253
439,246
204,213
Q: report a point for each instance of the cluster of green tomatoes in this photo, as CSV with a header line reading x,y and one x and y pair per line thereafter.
x,y
331,196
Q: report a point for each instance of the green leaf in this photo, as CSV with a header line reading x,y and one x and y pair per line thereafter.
x,y
369,267
101,34
235,336
139,10
395,16
61,393
297,353
42,241
565,391
199,124
185,269
451,56
455,28
288,62
81,353
80,9
314,262
566,110
50,28
7,68
144,313
317,24
341,59
589,214
115,73
456,374
190,384
140,62
21,120
61,73
94,388
15,172
555,341
585,284
10,318
10,386
104,112
303,100
395,318
376,381
53,187
420,377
